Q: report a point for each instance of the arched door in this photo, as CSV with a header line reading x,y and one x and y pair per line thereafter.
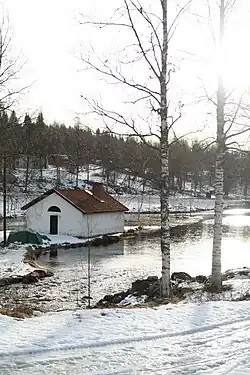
x,y
53,226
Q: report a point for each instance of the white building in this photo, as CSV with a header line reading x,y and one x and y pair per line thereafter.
x,y
75,212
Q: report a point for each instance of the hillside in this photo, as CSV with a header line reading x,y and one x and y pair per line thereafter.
x,y
52,176
134,192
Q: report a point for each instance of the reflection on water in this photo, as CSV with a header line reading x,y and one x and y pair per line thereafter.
x,y
114,267
237,211
67,258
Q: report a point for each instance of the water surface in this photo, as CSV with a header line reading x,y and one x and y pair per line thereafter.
x,y
113,268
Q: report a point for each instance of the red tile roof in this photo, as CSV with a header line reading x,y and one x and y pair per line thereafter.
x,y
87,201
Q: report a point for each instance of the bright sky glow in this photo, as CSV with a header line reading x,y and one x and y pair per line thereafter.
x,y
51,40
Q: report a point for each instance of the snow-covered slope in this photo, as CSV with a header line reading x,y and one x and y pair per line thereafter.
x,y
137,200
209,338
68,179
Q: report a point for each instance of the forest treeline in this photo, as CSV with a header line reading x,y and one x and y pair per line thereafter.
x,y
32,143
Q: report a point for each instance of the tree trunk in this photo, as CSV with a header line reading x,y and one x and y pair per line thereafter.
x,y
164,159
129,181
77,176
180,183
45,161
245,188
13,165
27,174
107,178
41,167
184,181
201,182
216,282
88,172
172,181
218,215
4,199
195,184
58,176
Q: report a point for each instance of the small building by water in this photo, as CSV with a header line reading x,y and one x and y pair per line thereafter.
x,y
76,212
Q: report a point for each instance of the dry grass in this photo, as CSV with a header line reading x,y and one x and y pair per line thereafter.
x,y
147,305
131,307
34,264
29,256
128,307
212,288
31,259
16,313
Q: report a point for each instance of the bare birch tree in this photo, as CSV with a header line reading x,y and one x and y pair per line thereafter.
x,y
150,35
219,167
10,67
232,120
9,92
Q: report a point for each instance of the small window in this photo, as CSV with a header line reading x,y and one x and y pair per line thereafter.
x,y
54,209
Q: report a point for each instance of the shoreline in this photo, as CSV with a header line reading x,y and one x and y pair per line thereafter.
x,y
109,239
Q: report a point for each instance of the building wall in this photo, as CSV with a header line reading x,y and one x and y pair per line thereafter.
x,y
103,223
70,220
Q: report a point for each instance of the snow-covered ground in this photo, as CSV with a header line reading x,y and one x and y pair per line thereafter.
x,y
178,203
135,203
206,338
142,202
54,239
151,203
10,259
68,179
14,203
1,234
61,239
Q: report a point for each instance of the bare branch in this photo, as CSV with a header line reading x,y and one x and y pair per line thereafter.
x,y
242,131
9,68
149,21
234,117
103,24
209,145
210,23
206,93
173,25
229,7
173,121
140,42
177,139
119,119
118,77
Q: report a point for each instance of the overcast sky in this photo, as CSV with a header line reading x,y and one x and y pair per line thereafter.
x,y
50,38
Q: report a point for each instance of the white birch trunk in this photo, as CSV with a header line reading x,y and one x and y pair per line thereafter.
x,y
216,282
165,227
77,175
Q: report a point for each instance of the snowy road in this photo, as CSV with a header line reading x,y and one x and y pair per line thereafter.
x,y
210,338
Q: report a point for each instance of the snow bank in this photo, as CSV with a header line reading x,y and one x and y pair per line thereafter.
x,y
209,338
60,239
133,300
11,258
12,263
1,234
